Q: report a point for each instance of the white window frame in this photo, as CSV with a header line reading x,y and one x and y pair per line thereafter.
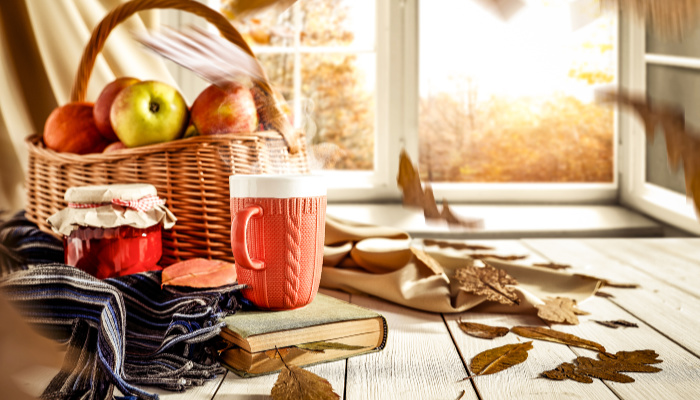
x,y
656,201
396,124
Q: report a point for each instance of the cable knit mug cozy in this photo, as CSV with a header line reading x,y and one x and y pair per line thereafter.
x,y
277,232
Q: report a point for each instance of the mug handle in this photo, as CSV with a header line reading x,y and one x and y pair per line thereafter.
x,y
240,246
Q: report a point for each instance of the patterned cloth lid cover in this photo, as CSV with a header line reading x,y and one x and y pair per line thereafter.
x,y
103,214
105,193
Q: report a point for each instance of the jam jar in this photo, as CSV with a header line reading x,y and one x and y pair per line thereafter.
x,y
112,230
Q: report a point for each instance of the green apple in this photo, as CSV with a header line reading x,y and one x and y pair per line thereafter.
x,y
148,112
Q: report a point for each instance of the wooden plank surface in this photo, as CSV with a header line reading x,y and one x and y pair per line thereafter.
x,y
426,355
666,308
419,362
656,259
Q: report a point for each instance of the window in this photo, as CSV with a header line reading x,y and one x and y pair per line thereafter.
x,y
492,107
669,72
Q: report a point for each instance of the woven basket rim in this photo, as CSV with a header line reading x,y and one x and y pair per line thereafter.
x,y
37,147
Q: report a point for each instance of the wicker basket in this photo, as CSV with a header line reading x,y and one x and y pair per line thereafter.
x,y
190,174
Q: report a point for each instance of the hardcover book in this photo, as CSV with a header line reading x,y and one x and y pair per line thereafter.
x,y
327,329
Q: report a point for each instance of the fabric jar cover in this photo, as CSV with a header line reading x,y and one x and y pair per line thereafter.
x,y
110,206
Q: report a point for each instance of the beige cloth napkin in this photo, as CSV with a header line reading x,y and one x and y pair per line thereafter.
x,y
377,260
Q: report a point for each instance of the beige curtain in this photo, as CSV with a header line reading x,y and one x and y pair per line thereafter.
x,y
41,43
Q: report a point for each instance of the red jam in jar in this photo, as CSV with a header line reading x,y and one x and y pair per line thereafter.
x,y
113,230
110,252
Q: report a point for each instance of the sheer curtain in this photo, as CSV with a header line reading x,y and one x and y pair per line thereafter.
x,y
41,43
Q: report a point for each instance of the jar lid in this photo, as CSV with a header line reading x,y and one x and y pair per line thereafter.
x,y
109,206
97,194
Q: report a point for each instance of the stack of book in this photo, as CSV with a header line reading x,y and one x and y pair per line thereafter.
x,y
325,330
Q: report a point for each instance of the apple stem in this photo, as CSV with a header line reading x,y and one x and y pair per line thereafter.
x,y
154,107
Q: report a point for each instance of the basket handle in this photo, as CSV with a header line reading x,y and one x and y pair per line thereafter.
x,y
274,115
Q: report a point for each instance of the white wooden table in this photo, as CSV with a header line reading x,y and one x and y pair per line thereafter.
x,y
427,355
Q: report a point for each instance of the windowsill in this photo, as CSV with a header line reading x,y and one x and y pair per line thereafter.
x,y
510,221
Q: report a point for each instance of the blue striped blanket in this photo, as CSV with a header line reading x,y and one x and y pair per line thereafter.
x,y
121,333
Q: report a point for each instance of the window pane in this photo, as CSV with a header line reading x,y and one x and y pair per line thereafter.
x,y
339,91
688,46
338,105
318,23
672,86
332,89
513,101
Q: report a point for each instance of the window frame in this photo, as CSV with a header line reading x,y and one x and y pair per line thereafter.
x,y
656,201
397,98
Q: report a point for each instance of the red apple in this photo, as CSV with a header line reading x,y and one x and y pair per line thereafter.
x,y
104,103
114,147
227,109
71,129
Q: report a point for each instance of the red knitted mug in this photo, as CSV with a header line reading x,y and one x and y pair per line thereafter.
x,y
277,232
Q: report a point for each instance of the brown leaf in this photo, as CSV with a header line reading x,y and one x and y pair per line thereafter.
x,y
550,335
608,367
481,330
617,323
241,9
488,281
682,144
633,361
559,310
321,347
277,353
409,182
604,295
500,358
481,256
452,219
552,265
294,383
609,283
455,245
199,273
430,208
425,259
413,195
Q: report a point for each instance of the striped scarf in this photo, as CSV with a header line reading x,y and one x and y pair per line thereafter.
x,y
121,332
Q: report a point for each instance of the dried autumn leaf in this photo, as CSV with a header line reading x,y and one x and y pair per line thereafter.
x,y
277,353
488,281
608,367
500,358
199,273
321,347
455,245
452,219
552,265
409,182
559,310
551,335
425,259
682,143
617,323
413,195
608,283
633,361
481,330
481,256
239,9
605,295
294,383
430,208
